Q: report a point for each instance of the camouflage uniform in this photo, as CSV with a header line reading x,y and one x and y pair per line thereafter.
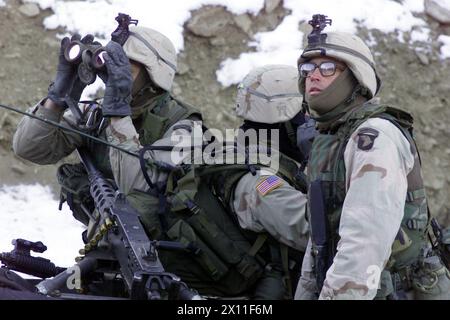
x,y
155,116
269,96
369,238
278,210
253,208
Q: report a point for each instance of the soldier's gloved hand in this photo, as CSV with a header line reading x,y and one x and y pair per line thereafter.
x,y
66,75
116,102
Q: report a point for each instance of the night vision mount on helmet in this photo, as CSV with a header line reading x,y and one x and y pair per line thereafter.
x,y
318,22
345,47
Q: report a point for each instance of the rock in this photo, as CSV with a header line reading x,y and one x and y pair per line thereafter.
x,y
209,22
228,116
304,27
244,22
272,22
444,88
219,117
51,42
176,89
436,183
423,58
18,169
183,68
429,144
217,101
437,11
217,41
29,9
270,5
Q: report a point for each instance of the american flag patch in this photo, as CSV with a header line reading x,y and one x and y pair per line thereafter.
x,y
268,184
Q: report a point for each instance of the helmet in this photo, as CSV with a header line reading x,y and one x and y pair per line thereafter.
x,y
269,94
156,52
351,50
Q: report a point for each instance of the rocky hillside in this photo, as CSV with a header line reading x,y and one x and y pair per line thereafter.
x,y
414,79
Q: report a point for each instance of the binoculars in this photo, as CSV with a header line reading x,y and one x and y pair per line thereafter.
x,y
89,58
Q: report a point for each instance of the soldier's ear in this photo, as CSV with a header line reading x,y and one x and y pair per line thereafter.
x,y
136,68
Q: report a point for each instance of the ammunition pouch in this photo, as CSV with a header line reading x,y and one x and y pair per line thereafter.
x,y
431,281
223,251
221,259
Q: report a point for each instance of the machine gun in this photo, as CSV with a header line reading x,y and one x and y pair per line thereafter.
x,y
20,259
120,240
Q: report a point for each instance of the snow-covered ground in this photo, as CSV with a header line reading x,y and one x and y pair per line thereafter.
x,y
31,211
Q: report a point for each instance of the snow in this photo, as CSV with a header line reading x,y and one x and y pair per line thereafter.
x,y
445,49
422,35
282,45
167,17
443,3
31,212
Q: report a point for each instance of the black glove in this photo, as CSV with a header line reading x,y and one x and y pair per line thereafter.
x,y
66,80
116,102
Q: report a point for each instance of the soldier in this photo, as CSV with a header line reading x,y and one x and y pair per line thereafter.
x,y
268,99
206,205
136,92
367,205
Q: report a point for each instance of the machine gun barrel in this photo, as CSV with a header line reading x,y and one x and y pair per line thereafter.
x,y
142,272
20,259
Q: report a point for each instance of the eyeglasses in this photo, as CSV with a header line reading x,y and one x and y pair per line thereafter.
x,y
326,68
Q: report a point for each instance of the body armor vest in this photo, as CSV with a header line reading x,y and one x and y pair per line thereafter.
x,y
327,172
156,120
225,260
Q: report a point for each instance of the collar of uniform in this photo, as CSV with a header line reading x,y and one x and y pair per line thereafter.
x,y
148,102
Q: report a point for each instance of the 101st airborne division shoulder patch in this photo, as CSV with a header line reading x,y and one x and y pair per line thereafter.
x,y
366,138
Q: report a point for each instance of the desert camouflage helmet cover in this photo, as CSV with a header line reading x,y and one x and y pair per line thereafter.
x,y
269,94
351,50
156,52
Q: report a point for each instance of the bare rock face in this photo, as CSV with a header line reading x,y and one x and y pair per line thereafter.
x,y
270,5
209,22
244,22
29,10
437,10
